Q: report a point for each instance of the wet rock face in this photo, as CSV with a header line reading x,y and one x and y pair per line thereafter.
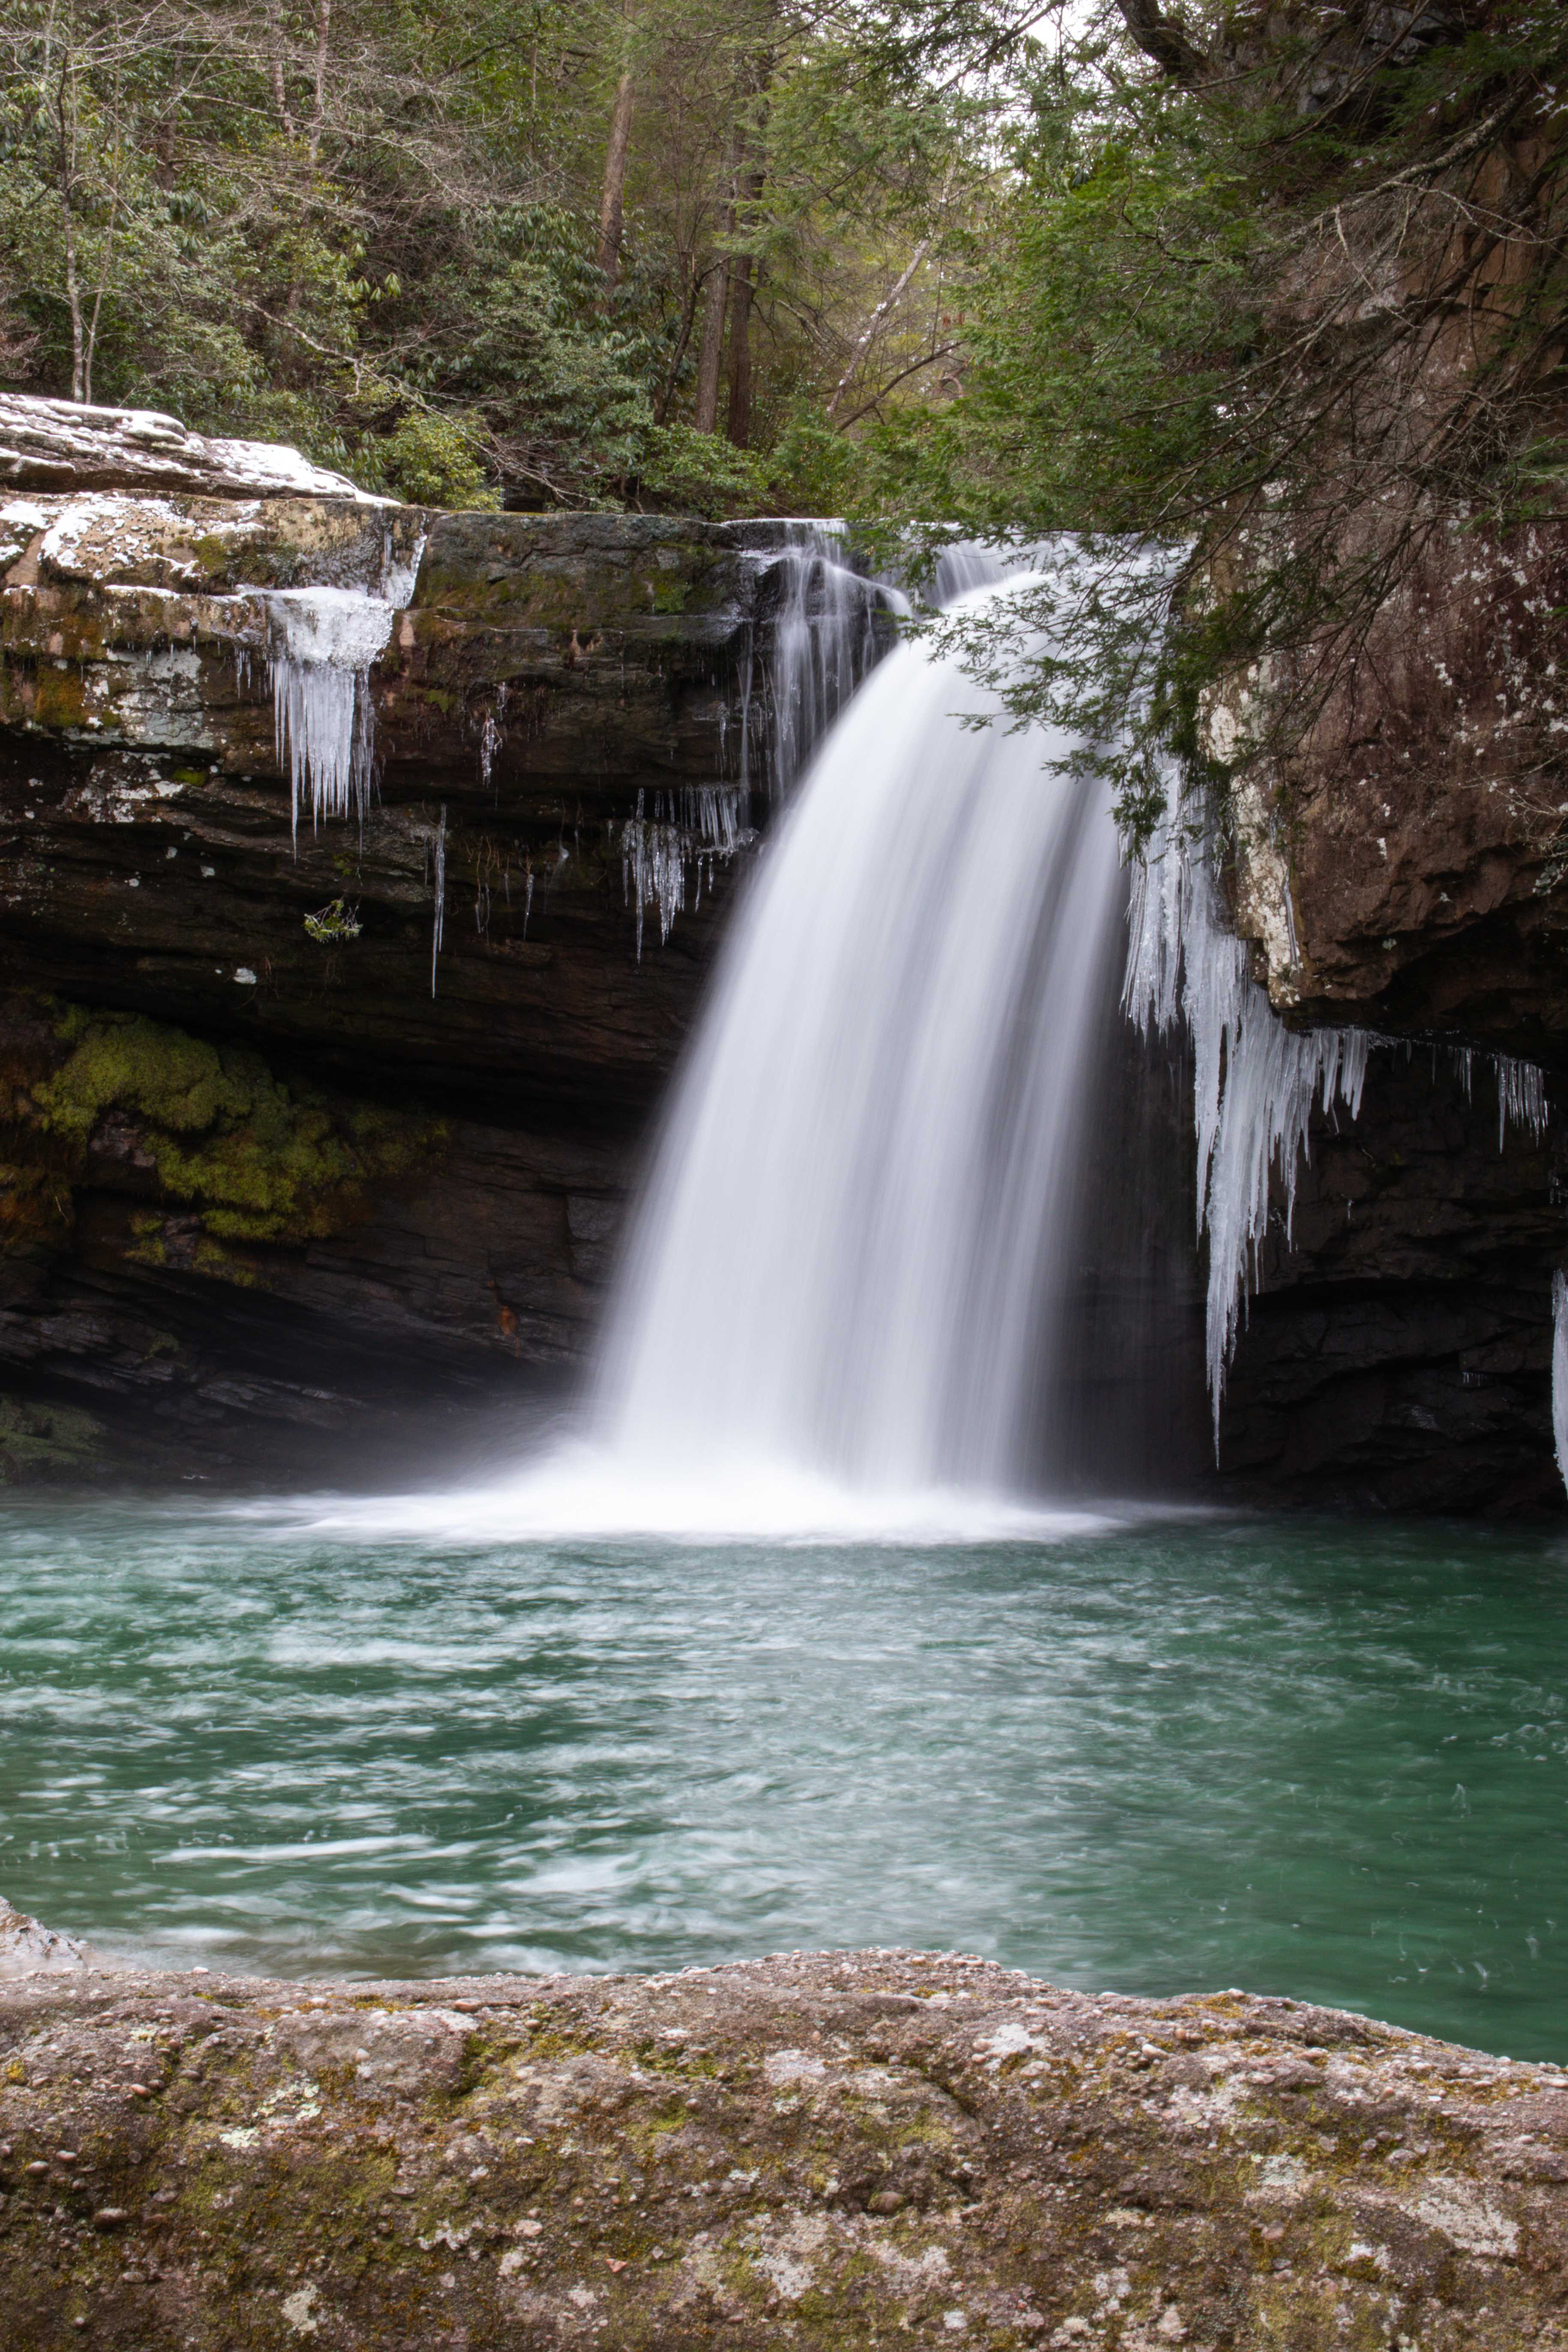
x,y
545,676
1406,867
1398,1354
480,962
822,2151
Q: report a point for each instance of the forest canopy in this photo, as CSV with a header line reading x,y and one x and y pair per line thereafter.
x,y
1009,264
639,251
1214,277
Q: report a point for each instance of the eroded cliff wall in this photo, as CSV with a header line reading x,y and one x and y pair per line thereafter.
x,y
318,1138
307,1127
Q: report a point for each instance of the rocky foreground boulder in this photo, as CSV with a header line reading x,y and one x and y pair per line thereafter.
x,y
832,2149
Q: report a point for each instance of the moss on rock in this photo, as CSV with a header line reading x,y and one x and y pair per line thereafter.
x,y
40,1444
260,1160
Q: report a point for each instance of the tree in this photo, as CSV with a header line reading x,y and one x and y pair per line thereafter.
x,y
1283,298
495,246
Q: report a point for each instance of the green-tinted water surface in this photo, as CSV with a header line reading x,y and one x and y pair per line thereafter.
x,y
1319,1759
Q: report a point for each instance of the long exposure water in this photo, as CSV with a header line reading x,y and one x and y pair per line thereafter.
x,y
1314,1757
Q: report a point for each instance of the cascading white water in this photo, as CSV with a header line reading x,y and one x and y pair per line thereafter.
x,y
830,626
825,642
861,1220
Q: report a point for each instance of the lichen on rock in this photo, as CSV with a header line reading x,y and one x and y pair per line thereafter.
x,y
827,2150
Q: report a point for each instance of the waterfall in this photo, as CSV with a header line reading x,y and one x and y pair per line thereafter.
x,y
855,1254
829,629
901,1258
828,625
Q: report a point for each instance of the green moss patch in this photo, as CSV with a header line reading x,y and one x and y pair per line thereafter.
x,y
42,1441
259,1160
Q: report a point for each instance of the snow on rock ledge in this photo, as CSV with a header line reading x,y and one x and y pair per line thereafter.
x,y
54,444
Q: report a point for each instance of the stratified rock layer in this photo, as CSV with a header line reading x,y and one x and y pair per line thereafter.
x,y
1404,866
556,707
387,1201
849,2148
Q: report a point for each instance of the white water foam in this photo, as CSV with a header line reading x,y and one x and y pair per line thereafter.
x,y
591,1491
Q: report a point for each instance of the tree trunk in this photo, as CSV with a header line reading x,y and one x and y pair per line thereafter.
x,y
678,359
612,209
710,354
740,299
90,341
73,297
1161,37
883,311
274,68
66,119
319,112
743,290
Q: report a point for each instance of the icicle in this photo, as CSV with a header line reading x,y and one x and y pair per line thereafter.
x,y
438,922
652,865
398,575
1521,1097
1255,1080
489,744
828,631
323,642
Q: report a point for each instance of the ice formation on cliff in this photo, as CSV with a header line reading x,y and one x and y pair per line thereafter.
x,y
1559,1369
1255,1080
321,646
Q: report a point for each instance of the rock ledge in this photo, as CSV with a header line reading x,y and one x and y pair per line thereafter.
x,y
830,2149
